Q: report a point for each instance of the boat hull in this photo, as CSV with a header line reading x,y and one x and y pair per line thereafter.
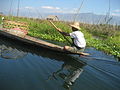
x,y
38,42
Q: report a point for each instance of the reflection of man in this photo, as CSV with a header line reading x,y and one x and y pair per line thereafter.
x,y
70,76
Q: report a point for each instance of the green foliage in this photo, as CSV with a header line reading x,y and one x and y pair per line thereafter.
x,y
102,30
106,38
102,37
0,19
45,30
114,42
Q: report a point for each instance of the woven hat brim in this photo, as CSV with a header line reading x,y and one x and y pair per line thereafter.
x,y
75,27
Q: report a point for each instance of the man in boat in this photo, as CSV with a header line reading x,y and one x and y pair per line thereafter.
x,y
78,39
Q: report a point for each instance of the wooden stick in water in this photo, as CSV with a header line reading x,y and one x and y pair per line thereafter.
x,y
59,31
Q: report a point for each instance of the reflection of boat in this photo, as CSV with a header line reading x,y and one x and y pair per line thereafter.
x,y
7,42
70,63
7,52
38,42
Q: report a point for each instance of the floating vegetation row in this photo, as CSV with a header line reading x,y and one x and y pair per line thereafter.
x,y
102,37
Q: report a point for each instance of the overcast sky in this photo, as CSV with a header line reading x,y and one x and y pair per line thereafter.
x,y
60,6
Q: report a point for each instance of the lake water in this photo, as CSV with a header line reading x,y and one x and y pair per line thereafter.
x,y
27,67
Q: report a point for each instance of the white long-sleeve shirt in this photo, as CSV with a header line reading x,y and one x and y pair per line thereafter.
x,y
79,39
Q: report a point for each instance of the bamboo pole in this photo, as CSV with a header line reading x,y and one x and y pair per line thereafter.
x,y
59,31
18,8
76,15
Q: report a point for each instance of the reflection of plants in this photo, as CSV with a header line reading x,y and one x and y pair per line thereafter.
x,y
9,53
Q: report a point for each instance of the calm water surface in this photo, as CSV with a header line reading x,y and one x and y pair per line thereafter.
x,y
31,68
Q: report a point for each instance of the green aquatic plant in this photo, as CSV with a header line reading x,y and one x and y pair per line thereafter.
x,y
101,37
45,30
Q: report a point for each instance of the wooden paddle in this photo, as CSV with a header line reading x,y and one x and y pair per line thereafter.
x,y
59,31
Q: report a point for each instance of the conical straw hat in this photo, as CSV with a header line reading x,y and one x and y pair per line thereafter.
x,y
76,25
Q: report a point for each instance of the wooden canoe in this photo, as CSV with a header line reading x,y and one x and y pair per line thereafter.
x,y
38,42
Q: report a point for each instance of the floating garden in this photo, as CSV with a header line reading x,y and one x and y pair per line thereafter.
x,y
103,37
